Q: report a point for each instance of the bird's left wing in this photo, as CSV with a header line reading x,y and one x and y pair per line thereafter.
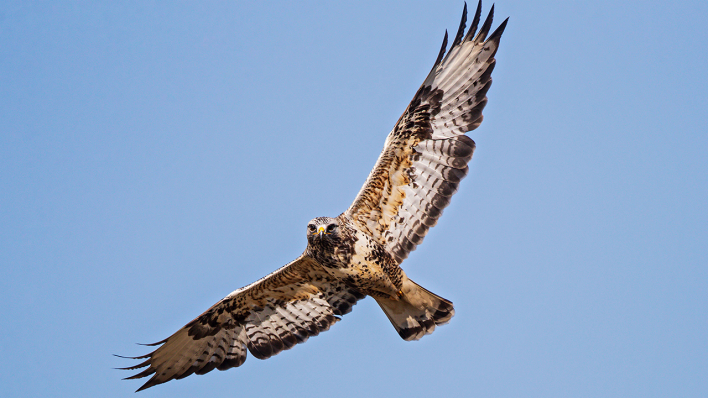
x,y
266,317
425,155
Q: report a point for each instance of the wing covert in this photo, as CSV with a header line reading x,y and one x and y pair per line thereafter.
x,y
426,154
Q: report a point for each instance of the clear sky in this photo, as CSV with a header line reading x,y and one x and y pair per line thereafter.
x,y
155,156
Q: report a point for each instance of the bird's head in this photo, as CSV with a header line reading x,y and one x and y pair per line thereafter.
x,y
322,228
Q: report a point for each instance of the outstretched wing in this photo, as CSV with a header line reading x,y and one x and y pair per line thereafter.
x,y
426,154
266,317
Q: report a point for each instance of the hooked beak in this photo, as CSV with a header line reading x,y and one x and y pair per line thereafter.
x,y
320,232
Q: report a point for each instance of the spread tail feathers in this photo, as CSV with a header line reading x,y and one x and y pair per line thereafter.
x,y
417,311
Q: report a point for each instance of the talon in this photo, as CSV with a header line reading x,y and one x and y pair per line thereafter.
x,y
400,293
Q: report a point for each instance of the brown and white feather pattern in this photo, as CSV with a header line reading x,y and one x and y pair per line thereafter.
x,y
283,309
424,158
426,154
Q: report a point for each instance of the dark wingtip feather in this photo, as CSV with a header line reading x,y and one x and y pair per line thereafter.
x,y
485,27
442,50
140,357
461,29
498,31
153,344
475,22
149,384
144,373
134,367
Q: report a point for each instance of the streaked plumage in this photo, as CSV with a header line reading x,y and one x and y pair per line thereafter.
x,y
358,253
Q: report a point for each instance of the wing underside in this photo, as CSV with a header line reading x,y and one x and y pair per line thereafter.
x,y
285,308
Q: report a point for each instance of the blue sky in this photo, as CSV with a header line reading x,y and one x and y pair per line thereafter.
x,y
154,157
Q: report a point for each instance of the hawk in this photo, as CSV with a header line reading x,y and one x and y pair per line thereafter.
x,y
359,252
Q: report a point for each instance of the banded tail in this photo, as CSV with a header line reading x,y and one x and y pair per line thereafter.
x,y
417,311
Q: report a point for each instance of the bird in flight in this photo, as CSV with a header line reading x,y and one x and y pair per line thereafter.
x,y
359,252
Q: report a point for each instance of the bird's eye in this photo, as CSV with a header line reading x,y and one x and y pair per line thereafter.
x,y
330,227
310,227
